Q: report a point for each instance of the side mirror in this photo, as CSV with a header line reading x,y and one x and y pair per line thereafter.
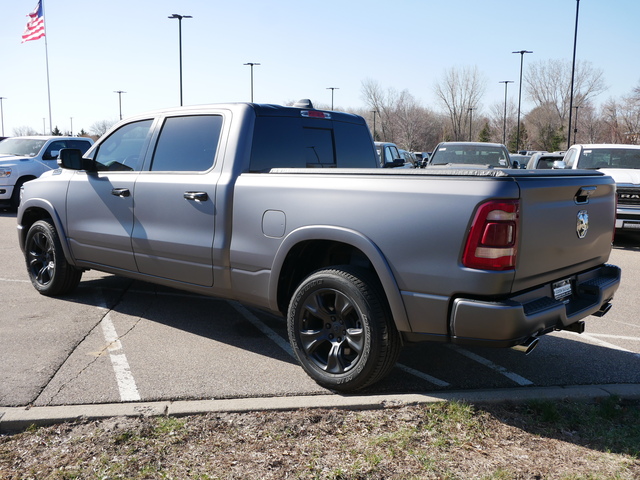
x,y
397,162
559,164
71,159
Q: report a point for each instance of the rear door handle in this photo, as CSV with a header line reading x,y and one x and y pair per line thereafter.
x,y
196,196
121,192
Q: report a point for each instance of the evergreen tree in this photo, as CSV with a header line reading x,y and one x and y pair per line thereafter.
x,y
485,133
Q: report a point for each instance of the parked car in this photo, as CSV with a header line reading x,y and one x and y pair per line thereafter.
x,y
622,162
545,160
480,154
519,160
25,158
389,155
410,159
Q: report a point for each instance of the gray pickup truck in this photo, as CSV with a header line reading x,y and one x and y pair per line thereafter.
x,y
286,209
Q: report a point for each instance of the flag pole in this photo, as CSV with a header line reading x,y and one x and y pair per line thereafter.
x,y
46,56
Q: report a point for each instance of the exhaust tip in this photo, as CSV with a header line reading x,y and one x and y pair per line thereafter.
x,y
603,310
527,346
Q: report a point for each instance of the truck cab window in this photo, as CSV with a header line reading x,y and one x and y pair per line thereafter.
x,y
187,144
125,148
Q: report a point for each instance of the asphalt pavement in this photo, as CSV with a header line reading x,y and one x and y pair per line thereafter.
x,y
118,347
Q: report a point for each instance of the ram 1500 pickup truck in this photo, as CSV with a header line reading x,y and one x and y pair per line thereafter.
x,y
622,163
287,209
25,158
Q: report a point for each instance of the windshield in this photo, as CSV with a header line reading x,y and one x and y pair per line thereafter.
x,y
471,155
21,147
608,158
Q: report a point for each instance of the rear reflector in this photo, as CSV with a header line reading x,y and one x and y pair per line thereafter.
x,y
491,242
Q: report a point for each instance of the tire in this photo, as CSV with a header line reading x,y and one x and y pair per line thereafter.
x,y
48,269
341,329
15,195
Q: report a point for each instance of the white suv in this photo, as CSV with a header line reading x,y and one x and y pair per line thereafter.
x,y
25,158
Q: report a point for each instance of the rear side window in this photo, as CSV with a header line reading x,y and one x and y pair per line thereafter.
x,y
290,142
187,144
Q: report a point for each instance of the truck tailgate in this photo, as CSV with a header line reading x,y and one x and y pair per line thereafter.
x,y
566,225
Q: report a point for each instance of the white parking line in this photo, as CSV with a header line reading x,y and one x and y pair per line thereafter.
x,y
126,383
488,363
13,280
256,322
591,338
618,337
423,376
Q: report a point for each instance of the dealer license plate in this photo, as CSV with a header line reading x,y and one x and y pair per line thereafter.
x,y
562,289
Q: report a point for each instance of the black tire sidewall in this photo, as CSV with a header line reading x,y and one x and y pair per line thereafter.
x,y
341,279
63,279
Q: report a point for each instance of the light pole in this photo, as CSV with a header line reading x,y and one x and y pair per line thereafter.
x,y
120,92
374,124
573,71
2,114
470,121
180,17
332,89
521,52
71,131
575,129
251,64
504,126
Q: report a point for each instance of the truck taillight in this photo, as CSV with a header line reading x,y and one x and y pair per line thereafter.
x,y
491,242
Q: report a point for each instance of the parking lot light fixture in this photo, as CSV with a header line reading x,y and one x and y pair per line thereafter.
x,y
119,92
521,52
251,64
332,89
2,114
504,126
180,17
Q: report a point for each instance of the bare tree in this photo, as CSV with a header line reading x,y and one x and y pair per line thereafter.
x,y
622,119
548,84
459,92
99,128
399,117
24,131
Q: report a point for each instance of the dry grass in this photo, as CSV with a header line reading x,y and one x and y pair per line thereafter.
x,y
439,441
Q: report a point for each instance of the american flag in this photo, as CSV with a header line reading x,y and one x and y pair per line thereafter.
x,y
35,25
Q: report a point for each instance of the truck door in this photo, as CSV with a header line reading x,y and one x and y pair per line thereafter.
x,y
100,212
175,202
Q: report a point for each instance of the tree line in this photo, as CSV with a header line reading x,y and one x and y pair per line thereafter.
x,y
398,117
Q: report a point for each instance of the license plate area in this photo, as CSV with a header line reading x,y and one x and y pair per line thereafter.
x,y
562,290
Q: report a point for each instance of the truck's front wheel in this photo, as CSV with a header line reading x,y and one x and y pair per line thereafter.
x,y
48,269
341,330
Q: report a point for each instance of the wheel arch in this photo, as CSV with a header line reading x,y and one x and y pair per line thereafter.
x,y
310,248
37,209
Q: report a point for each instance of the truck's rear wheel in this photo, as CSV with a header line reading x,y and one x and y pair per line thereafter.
x,y
48,269
341,329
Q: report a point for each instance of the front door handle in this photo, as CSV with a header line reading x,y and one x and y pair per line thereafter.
x,y
121,192
196,196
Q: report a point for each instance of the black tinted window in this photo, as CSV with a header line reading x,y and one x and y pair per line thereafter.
x,y
125,148
187,144
289,142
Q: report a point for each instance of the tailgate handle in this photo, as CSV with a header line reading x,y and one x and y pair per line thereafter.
x,y
583,195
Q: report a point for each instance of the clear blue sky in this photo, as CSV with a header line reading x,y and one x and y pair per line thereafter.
x,y
303,46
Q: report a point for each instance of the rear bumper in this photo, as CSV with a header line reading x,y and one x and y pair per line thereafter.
x,y
510,322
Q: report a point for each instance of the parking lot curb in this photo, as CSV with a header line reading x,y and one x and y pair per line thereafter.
x,y
14,419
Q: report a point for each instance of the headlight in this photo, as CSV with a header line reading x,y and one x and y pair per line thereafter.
x,y
5,172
